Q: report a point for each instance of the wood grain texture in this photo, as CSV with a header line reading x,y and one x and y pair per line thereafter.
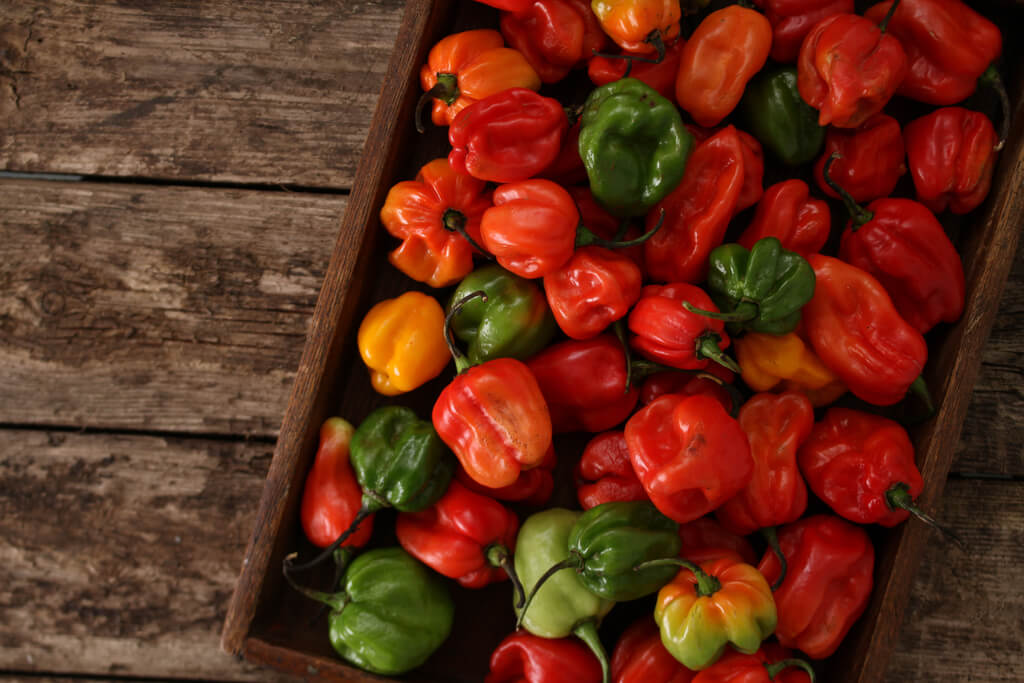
x,y
279,91
157,308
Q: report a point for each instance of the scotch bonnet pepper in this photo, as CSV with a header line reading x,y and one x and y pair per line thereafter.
x,y
871,159
603,69
791,20
525,658
605,474
779,118
788,212
554,35
785,362
596,287
772,663
639,657
532,487
642,26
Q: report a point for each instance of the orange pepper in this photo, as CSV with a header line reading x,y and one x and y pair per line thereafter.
x,y
725,51
402,342
469,66
640,26
785,362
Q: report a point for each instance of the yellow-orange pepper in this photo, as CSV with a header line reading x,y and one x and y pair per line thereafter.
x,y
786,363
639,26
402,342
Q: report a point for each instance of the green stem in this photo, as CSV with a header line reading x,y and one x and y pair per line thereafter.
x,y
335,601
920,389
992,79
706,584
746,310
446,89
585,237
587,632
888,15
620,333
461,361
898,497
574,561
769,534
369,506
774,669
654,39
858,214
454,220
498,556
707,348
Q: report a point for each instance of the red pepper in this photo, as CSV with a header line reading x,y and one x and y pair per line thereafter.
x,y
584,384
791,20
594,289
849,69
507,5
554,35
661,75
525,658
666,332
698,211
332,497
464,536
870,159
859,335
532,487
687,384
776,425
827,585
639,657
507,137
788,212
952,154
704,540
689,454
604,473
605,225
753,172
771,664
567,168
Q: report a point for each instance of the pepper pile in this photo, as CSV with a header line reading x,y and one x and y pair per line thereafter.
x,y
632,247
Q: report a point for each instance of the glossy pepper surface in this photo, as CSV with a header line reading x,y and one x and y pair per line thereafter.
x,y
951,153
331,498
514,322
465,67
771,663
554,35
401,341
788,213
634,146
859,335
725,51
713,381
661,75
639,657
689,454
849,69
871,159
827,585
596,287
604,473
639,25
779,118
791,20
532,487
525,658
429,214
786,362
704,609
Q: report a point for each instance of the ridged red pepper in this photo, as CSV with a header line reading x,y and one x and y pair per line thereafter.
x,y
827,585
554,35
509,136
641,26
753,172
639,657
787,212
952,154
704,540
870,159
859,335
596,287
791,20
532,487
771,664
660,75
525,658
689,454
604,473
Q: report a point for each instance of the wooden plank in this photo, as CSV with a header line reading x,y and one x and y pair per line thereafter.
x,y
120,552
156,308
279,91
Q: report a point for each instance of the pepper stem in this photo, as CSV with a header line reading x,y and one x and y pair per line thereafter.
x,y
585,237
746,310
920,389
775,668
446,89
858,214
706,584
461,362
574,561
370,505
898,497
498,556
888,15
620,334
708,348
335,601
992,79
454,220
587,632
769,534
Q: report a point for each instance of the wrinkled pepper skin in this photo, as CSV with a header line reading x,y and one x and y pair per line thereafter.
x,y
509,136
554,35
584,384
698,211
725,51
532,487
828,582
776,426
426,214
639,657
332,497
634,146
779,118
514,322
788,213
785,362
464,536
848,69
604,473
469,66
401,341
859,464
698,617
493,416
705,540
952,154
630,23
871,159
596,287
689,454
791,21
525,658
858,334
666,332
771,664
661,76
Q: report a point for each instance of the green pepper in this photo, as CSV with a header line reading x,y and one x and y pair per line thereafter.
x,y
390,614
514,321
634,146
563,605
761,290
779,118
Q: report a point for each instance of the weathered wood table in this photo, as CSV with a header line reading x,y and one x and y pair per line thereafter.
x,y
153,304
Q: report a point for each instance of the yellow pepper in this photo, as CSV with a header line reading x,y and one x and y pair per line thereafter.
x,y
784,362
402,342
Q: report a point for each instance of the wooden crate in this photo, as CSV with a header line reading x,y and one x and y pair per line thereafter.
x,y
270,624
